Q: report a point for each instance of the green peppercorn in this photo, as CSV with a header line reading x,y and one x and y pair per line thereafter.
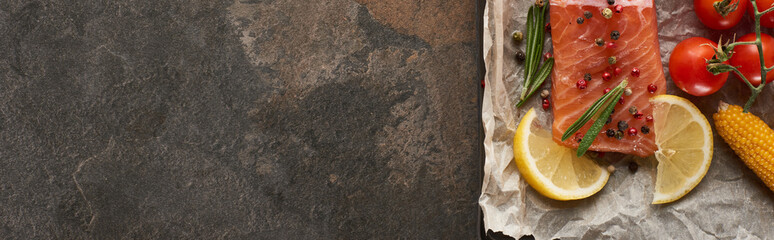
x,y
599,42
518,36
645,130
611,60
587,77
628,91
607,13
587,15
615,35
619,134
632,110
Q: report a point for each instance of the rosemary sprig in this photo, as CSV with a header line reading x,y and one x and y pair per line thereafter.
x,y
541,76
605,104
597,126
593,110
535,40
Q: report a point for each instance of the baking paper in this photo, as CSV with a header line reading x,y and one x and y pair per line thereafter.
x,y
729,203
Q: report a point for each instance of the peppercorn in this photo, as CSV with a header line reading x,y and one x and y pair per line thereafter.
x,y
579,20
619,134
587,14
618,8
649,118
611,45
610,133
615,35
632,131
645,129
621,100
638,115
627,91
607,13
599,42
518,36
617,71
587,77
633,167
578,137
547,56
610,2
545,93
611,60
635,72
606,76
539,3
520,56
622,125
547,27
546,104
610,168
607,90
581,84
632,110
609,120
652,88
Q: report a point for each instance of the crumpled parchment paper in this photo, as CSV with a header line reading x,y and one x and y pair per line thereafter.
x,y
730,202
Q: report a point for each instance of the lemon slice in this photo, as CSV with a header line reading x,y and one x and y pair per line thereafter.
x,y
684,140
551,169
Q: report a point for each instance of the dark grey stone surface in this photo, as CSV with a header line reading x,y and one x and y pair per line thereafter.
x,y
238,119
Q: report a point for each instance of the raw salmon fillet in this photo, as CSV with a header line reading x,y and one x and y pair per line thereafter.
x,y
576,53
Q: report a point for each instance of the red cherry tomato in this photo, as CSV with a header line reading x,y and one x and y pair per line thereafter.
x,y
748,62
688,67
705,9
767,20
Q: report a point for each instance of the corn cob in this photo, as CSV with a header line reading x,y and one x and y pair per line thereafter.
x,y
750,138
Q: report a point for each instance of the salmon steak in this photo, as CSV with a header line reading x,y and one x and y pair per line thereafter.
x,y
584,41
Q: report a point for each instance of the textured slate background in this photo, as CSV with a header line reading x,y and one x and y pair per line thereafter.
x,y
238,119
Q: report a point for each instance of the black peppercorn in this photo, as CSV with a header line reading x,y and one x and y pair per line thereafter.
x,y
609,120
610,2
633,167
645,130
579,20
520,56
610,133
587,77
622,125
587,14
615,35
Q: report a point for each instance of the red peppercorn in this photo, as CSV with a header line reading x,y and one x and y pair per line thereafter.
x,y
606,76
607,90
581,84
546,104
610,45
617,71
649,118
632,131
652,88
638,115
548,28
547,56
621,101
618,8
635,72
483,84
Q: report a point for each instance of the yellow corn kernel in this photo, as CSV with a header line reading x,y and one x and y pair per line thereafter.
x,y
749,137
